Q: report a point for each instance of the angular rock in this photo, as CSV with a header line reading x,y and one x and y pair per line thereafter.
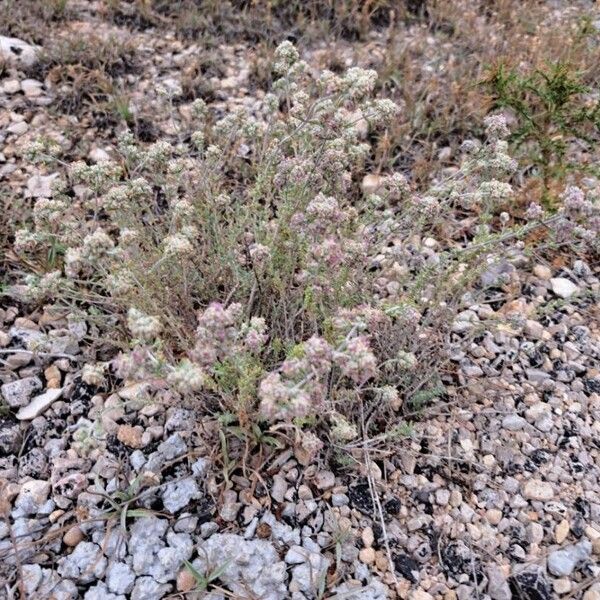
x,y
179,494
18,393
324,480
39,405
563,562
32,577
173,447
32,87
534,489
32,496
498,588
100,592
120,578
145,542
40,186
11,438
85,564
248,565
307,576
147,589
17,52
513,423
530,585
562,287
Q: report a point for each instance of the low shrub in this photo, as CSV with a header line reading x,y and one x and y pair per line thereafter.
x,y
263,274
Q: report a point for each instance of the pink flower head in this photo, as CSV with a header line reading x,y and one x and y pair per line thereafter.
x,y
357,361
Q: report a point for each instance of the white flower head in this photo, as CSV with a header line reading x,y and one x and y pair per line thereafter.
x,y
93,374
285,57
142,326
178,245
187,377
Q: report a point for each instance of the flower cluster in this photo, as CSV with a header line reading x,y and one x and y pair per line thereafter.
x,y
217,332
581,210
357,361
143,327
299,387
187,377
286,56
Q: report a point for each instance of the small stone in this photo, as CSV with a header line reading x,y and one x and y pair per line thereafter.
x,y
593,535
98,155
32,496
534,489
296,555
136,392
535,533
73,536
18,393
32,88
263,531
304,493
325,480
367,556
11,438
408,567
173,447
442,497
561,532
513,423
368,537
130,436
498,587
279,488
455,498
146,588
11,86
229,512
17,52
39,404
370,184
493,516
186,582
420,595
32,577
533,329
120,578
543,272
71,485
86,563
593,593
178,494
52,375
563,562
339,499
18,128
563,288
562,586
40,186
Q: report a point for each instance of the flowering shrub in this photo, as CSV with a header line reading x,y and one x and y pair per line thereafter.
x,y
253,268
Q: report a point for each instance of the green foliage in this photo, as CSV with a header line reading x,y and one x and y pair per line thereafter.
x,y
402,431
423,397
551,108
121,501
203,581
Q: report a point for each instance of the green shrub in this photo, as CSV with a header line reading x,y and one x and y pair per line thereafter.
x,y
553,108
